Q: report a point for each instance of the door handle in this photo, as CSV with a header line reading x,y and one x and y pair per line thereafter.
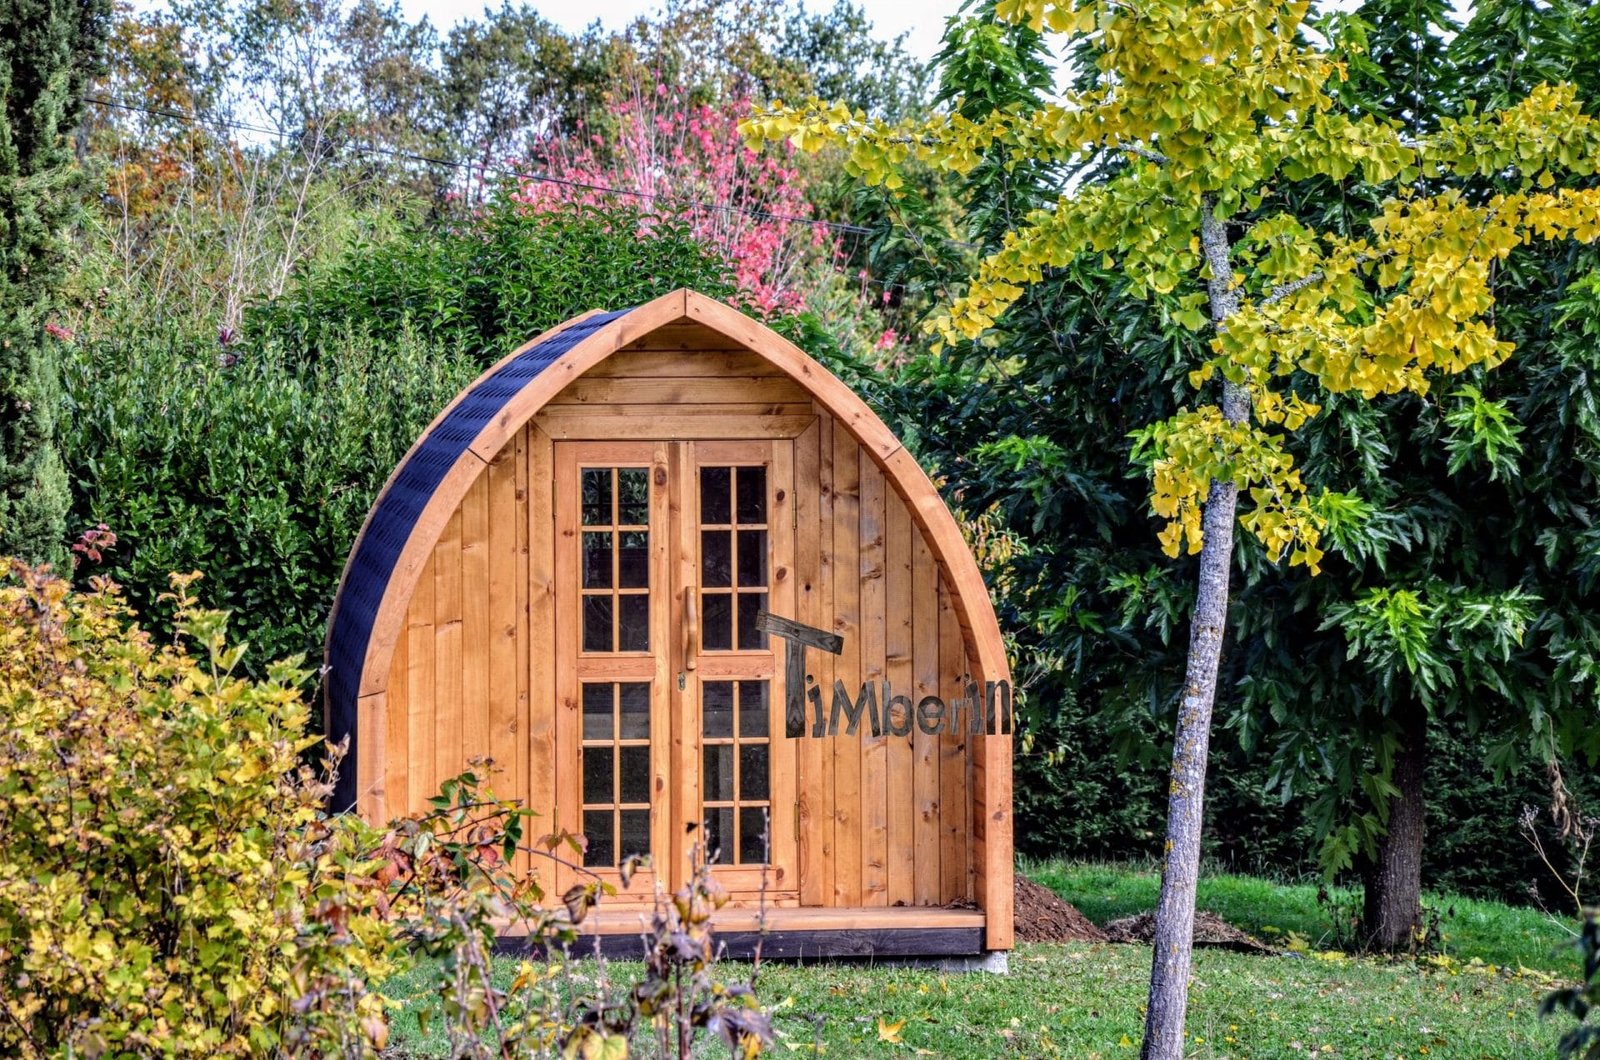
x,y
691,628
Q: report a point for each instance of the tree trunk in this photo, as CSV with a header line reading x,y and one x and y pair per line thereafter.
x,y
1174,935
1392,907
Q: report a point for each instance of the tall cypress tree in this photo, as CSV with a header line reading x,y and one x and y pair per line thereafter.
x,y
48,51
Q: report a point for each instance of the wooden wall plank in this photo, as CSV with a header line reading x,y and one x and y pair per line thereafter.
x,y
684,337
900,770
507,590
976,833
477,645
540,711
992,789
447,608
628,364
567,814
847,805
420,693
397,736
782,520
955,796
827,584
682,390
810,818
651,423
874,666
925,747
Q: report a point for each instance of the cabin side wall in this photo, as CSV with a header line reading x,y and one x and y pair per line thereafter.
x,y
872,806
882,820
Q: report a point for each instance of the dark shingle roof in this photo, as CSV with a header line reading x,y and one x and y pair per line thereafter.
x,y
391,522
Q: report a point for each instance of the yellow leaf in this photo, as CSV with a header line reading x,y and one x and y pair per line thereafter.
x,y
889,1032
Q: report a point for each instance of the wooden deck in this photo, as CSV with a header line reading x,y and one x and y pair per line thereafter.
x,y
799,933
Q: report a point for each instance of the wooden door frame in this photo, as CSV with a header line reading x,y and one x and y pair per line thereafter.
x,y
676,747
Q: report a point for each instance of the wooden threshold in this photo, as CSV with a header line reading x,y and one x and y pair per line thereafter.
x,y
796,933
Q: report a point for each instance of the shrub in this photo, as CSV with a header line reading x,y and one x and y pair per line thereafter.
x,y
249,464
169,885
484,284
258,457
1579,1002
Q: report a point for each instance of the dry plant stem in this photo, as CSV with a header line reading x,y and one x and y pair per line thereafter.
x,y
1174,934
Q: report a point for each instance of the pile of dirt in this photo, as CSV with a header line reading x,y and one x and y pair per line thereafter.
x,y
1041,916
1209,930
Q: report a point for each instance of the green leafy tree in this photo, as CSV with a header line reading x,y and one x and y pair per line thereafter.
x,y
48,52
1203,113
1309,674
1466,599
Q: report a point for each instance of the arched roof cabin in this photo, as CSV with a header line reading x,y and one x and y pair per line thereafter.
x,y
663,567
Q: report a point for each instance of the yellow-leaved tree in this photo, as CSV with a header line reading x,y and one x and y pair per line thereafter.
x,y
1199,113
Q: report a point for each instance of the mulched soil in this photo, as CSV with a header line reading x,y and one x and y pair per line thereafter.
x,y
1209,930
1041,916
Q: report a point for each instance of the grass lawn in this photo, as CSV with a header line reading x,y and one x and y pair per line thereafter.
x,y
1494,933
1086,1000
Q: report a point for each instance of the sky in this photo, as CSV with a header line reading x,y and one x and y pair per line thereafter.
x,y
921,20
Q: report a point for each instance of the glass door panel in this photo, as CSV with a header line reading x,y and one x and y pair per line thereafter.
x,y
613,711
738,537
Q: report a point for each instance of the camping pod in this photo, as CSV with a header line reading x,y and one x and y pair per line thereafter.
x,y
683,587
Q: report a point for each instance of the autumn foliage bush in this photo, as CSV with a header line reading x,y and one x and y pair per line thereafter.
x,y
169,884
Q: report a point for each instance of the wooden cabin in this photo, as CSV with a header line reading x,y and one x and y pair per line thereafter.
x,y
664,568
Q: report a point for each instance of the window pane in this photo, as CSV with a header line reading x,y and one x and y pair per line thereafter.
x,y
716,629
635,711
635,832
597,559
714,495
633,623
719,836
750,604
597,623
596,711
633,778
633,559
596,496
633,496
753,772
717,782
753,708
716,709
753,558
752,487
597,775
597,829
752,835
716,565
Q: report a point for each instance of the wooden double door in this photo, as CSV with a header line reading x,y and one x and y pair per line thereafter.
x,y
669,704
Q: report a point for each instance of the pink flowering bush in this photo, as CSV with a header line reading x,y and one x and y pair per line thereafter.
x,y
671,158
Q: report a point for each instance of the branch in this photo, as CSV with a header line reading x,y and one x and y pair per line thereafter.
x,y
1145,153
1284,290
